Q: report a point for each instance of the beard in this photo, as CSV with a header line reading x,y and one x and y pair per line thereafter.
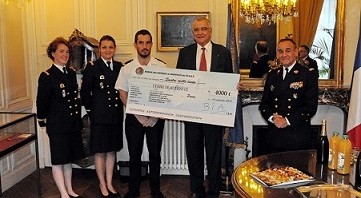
x,y
144,53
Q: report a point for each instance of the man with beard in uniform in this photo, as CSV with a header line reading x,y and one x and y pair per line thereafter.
x,y
136,126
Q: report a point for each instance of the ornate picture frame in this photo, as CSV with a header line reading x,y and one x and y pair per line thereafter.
x,y
174,29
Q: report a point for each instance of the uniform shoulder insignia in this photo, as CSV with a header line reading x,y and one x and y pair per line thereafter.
x,y
72,68
161,60
311,69
126,62
46,72
89,63
274,68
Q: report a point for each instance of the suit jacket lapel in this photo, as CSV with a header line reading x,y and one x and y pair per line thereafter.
x,y
193,57
59,74
215,56
280,83
110,75
291,76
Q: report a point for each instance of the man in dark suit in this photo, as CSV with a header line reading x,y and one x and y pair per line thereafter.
x,y
289,101
304,58
260,67
204,55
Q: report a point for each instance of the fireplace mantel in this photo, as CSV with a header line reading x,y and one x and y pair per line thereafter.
x,y
328,96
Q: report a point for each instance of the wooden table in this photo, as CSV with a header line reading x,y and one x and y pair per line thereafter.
x,y
326,179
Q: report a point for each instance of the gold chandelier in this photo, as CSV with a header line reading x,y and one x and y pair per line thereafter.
x,y
269,11
18,3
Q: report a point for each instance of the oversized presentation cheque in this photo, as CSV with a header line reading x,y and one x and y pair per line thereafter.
x,y
186,95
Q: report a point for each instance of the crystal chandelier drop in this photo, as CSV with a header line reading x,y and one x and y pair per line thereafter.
x,y
261,11
18,3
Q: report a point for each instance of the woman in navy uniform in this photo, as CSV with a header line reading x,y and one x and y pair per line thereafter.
x,y
289,101
58,109
105,110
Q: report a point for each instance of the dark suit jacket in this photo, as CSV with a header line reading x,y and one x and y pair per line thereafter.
x,y
98,93
295,97
221,58
260,68
312,63
57,101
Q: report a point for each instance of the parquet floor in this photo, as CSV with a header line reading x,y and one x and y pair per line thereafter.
x,y
85,183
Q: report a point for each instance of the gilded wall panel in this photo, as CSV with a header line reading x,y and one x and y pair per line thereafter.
x,y
113,18
15,71
60,18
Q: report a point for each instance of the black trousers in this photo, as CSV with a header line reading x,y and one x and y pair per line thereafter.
x,y
135,132
197,137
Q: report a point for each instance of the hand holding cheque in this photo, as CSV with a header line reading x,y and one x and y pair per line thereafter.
x,y
187,95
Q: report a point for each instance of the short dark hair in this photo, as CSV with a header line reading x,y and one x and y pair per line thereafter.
x,y
107,38
142,32
54,45
306,48
287,39
262,47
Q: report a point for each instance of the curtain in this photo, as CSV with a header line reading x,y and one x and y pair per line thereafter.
x,y
305,25
234,4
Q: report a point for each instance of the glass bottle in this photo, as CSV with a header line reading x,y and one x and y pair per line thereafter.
x,y
333,150
323,145
344,155
354,166
358,172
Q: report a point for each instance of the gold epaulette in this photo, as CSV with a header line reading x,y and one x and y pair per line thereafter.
x,y
161,60
47,73
91,63
311,69
72,68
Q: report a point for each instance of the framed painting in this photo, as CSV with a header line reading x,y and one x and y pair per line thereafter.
x,y
174,29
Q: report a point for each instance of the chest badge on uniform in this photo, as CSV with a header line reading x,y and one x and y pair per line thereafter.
x,y
272,88
101,77
63,93
295,95
101,84
61,85
296,85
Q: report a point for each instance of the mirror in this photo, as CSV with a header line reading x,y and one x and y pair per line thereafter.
x,y
336,81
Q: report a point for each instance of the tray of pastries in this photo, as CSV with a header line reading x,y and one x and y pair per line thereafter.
x,y
282,177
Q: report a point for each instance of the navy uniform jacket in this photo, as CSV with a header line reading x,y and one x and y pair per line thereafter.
x,y
295,97
309,63
58,101
312,63
98,93
221,58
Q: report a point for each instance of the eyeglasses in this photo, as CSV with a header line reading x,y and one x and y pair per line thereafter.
x,y
203,29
